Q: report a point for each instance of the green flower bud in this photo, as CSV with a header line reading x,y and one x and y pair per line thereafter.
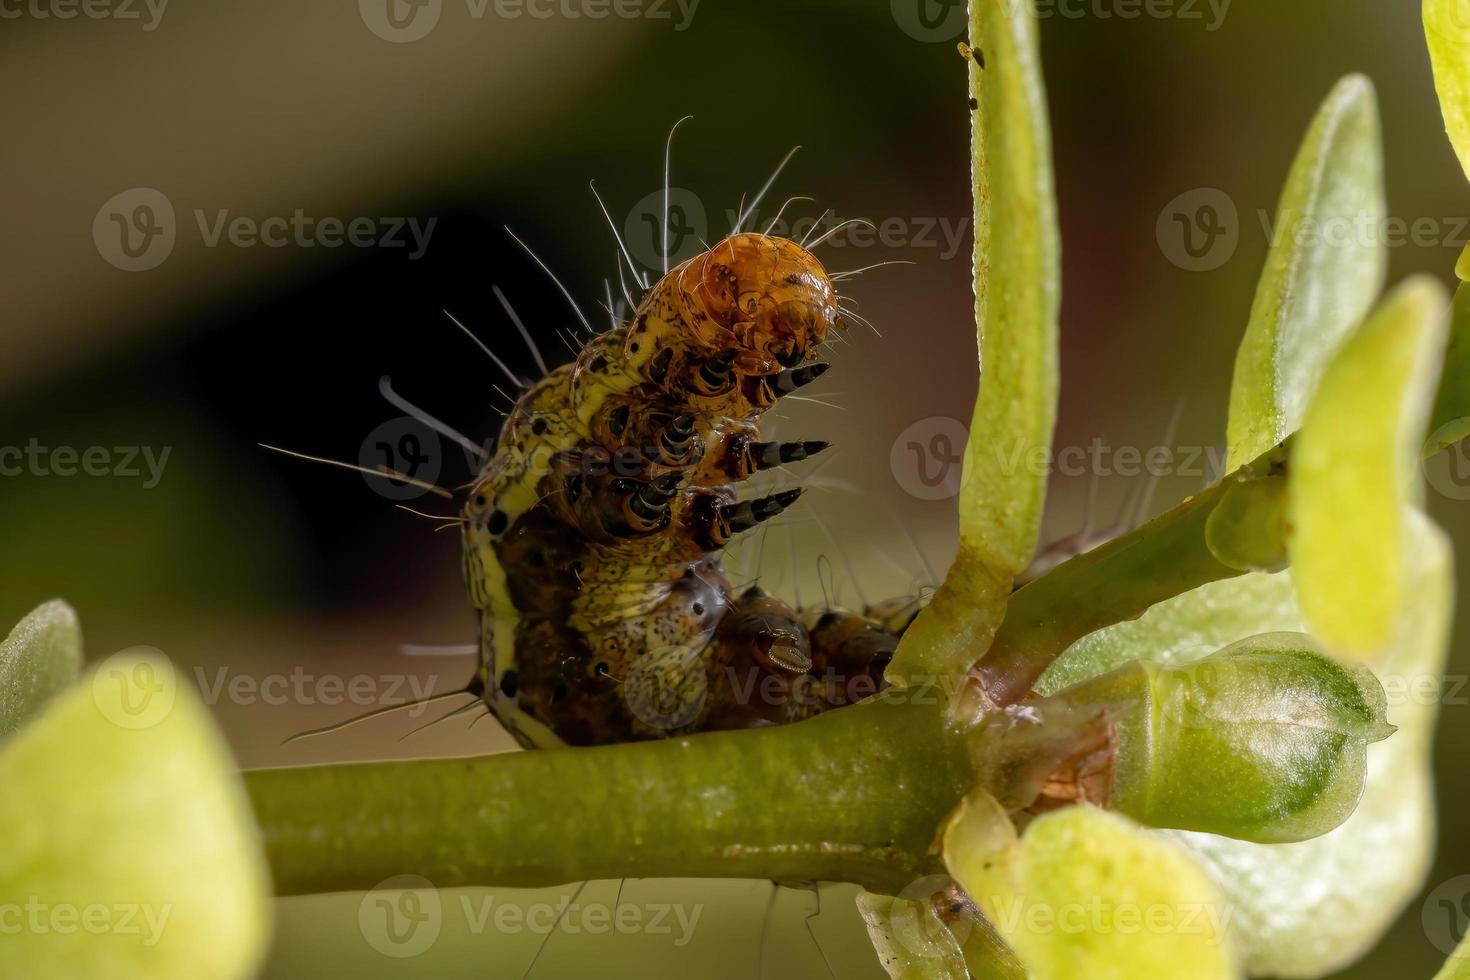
x,y
1265,740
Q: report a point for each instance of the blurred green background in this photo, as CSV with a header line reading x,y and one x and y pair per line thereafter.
x,y
247,567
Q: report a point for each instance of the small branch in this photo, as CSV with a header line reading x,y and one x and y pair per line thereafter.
x,y
1121,579
853,795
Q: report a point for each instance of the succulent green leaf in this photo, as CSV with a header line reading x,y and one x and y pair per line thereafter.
x,y
1306,909
130,848
1447,29
1265,740
1325,268
42,655
1457,967
1017,260
1087,893
1451,420
1355,473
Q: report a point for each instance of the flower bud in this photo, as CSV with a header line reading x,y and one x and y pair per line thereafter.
x,y
1265,740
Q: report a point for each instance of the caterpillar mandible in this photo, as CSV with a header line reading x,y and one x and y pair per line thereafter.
x,y
592,535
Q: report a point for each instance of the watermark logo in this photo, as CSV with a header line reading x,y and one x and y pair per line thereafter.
x,y
931,21
936,21
1450,21
149,12
688,228
127,462
1199,230
1448,471
400,21
1099,915
135,229
135,688
690,223
667,688
1446,914
927,458
39,917
913,921
406,446
401,916
301,687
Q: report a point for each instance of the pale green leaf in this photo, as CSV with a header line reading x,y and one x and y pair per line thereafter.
x,y
42,655
1355,473
1447,29
1325,267
911,941
1017,259
1087,893
1306,909
129,844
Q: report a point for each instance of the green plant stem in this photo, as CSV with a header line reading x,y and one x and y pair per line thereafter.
x,y
1120,580
852,795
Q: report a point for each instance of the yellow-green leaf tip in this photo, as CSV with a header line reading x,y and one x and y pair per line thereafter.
x,y
130,848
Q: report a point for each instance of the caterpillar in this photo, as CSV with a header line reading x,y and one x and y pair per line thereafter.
x,y
592,536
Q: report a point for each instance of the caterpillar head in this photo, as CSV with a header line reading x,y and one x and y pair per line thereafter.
x,y
765,297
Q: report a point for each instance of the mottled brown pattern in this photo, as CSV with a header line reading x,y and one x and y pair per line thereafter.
x,y
592,536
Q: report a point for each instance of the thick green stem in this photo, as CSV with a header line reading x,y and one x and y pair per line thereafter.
x,y
1120,580
854,795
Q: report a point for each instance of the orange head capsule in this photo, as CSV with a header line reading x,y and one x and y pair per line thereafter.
x,y
764,296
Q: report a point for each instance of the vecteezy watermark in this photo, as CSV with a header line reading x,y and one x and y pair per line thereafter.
x,y
1200,230
136,230
927,459
127,462
1450,21
944,20
302,687
1101,915
403,21
402,917
1448,471
926,910
1424,690
685,232
407,447
667,687
135,688
39,917
1445,915
148,12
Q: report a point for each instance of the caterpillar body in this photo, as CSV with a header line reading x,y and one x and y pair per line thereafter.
x,y
592,536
